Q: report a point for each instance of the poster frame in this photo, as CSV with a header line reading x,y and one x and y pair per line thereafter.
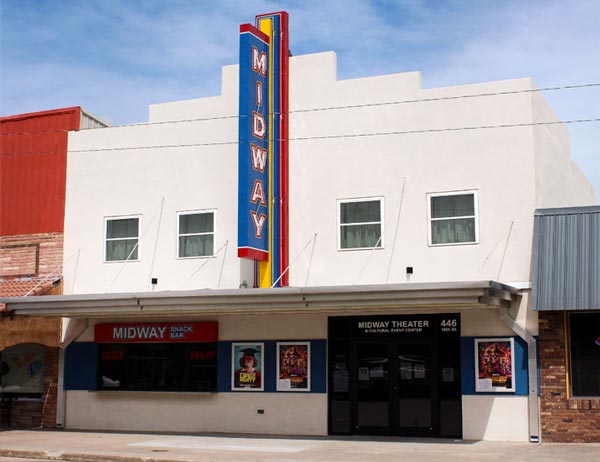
x,y
235,365
495,389
308,366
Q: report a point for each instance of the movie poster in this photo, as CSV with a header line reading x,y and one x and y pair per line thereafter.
x,y
293,366
247,366
494,365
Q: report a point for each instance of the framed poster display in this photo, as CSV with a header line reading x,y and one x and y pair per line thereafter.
x,y
247,366
293,366
494,365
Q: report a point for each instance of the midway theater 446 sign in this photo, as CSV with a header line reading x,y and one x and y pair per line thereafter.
x,y
253,151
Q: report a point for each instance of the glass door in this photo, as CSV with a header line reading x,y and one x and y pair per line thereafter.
x,y
372,388
413,392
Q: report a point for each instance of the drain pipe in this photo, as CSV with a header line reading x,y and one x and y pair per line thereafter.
x,y
61,401
534,408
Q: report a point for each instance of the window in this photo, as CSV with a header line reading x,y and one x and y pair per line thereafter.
x,y
22,370
453,218
196,235
584,346
158,367
360,223
122,239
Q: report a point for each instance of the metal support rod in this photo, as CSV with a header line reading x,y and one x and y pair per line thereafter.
x,y
533,400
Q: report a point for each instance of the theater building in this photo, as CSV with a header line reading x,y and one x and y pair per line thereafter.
x,y
402,303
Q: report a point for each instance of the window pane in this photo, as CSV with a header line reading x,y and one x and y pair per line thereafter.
x,y
196,246
122,228
584,330
358,236
120,250
196,223
22,369
360,212
453,231
461,205
167,366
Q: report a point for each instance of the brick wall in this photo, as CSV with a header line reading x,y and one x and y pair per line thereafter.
x,y
565,420
48,413
30,255
31,258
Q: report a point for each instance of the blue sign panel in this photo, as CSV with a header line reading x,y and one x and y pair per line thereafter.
x,y
253,151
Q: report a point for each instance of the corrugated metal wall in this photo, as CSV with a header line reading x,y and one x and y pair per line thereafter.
x,y
566,259
33,156
88,121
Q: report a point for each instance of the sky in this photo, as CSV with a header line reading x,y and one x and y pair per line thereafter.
x,y
116,57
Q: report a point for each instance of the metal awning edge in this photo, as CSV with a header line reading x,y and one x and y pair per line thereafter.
x,y
283,300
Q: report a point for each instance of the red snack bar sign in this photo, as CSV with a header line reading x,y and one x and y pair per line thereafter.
x,y
163,332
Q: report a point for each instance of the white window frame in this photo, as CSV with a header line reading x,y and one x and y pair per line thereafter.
x,y
105,239
430,220
381,222
214,232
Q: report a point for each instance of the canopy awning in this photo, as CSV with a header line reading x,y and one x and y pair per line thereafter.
x,y
334,299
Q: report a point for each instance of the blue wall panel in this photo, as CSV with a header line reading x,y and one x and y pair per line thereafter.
x,y
467,351
81,366
318,357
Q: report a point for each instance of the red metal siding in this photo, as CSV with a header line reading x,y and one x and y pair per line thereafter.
x,y
33,159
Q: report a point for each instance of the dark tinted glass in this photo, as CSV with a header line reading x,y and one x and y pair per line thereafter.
x,y
127,227
196,223
462,205
160,366
121,250
584,336
360,212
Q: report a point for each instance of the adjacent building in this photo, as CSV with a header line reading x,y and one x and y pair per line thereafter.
x,y
33,155
566,295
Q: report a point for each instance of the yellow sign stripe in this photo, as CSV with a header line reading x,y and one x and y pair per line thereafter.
x,y
265,267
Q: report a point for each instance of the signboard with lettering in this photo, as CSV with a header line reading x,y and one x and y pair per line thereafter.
x,y
253,147
418,324
163,332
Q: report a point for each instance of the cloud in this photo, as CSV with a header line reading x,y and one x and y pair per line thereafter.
x,y
116,57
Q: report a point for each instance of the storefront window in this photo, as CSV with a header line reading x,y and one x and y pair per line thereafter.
x,y
584,339
22,370
158,367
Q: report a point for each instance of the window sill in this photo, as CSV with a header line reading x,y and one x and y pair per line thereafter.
x,y
453,244
121,261
199,257
583,404
354,249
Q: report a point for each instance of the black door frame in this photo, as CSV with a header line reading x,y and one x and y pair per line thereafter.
x,y
438,329
393,428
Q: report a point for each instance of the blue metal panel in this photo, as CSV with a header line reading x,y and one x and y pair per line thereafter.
x,y
223,367
467,353
318,368
81,365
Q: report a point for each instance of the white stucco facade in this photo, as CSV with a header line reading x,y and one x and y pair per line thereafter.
x,y
382,137
126,171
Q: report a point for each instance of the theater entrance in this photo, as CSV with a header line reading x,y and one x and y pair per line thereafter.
x,y
395,375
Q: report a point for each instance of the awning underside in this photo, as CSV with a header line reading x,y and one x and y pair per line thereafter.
x,y
339,299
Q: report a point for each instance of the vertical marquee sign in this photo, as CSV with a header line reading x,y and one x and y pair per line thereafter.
x,y
263,147
253,151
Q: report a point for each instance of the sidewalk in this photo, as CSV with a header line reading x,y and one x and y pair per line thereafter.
x,y
135,447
